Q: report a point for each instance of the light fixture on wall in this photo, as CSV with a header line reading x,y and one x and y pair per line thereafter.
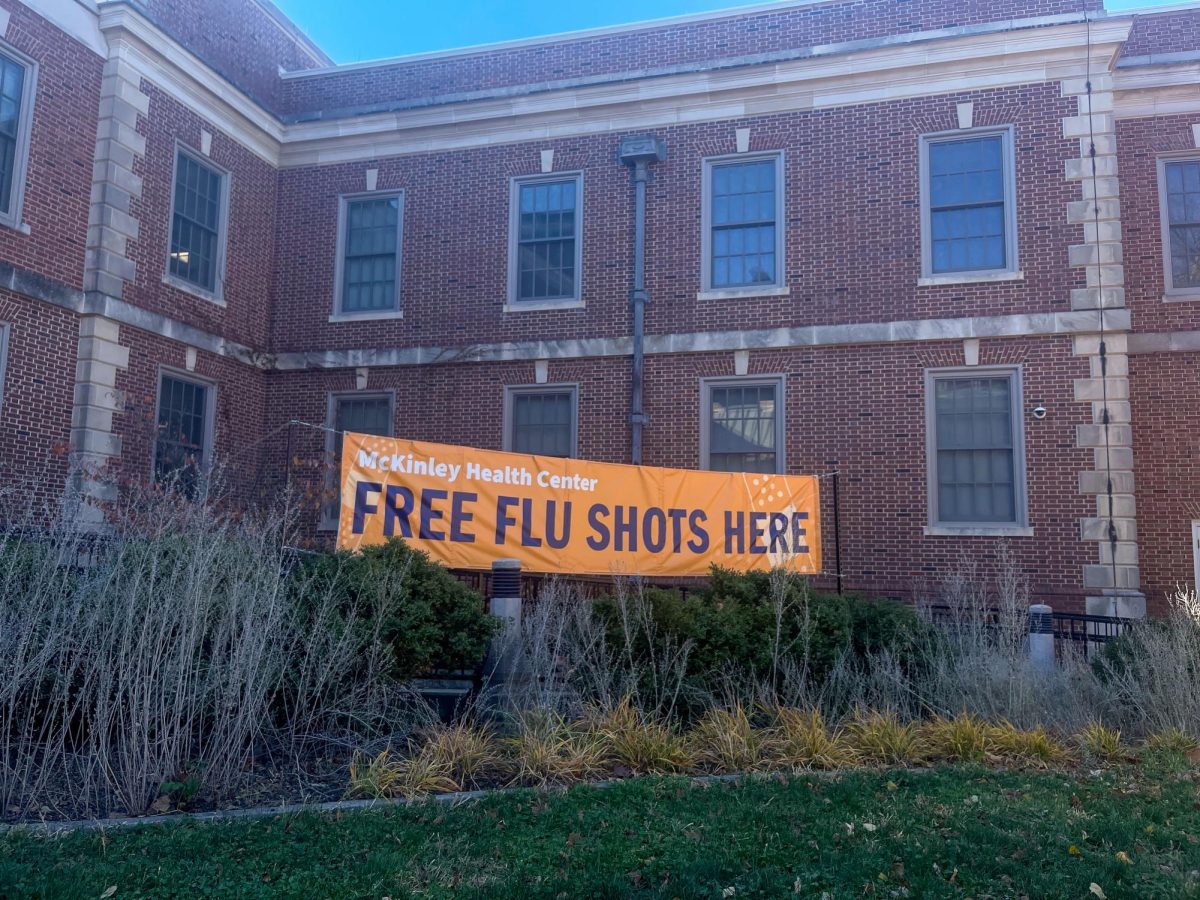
x,y
1039,412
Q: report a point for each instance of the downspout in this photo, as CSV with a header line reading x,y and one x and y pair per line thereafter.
x,y
638,153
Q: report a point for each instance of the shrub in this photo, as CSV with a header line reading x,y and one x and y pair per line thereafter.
x,y
547,750
756,628
428,617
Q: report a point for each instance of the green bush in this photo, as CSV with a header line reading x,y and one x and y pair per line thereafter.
x,y
744,622
429,618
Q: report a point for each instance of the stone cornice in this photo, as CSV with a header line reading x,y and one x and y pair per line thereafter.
x,y
912,65
1157,88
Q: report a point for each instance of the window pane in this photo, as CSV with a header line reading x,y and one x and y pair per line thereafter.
x,y
182,421
742,428
967,215
363,415
12,85
1183,218
546,236
371,252
195,223
743,223
543,423
975,447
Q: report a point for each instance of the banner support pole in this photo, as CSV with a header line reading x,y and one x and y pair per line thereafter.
x,y
837,534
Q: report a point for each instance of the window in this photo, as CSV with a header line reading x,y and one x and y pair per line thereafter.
x,y
16,100
362,414
742,425
541,420
975,449
743,209
197,249
968,203
1179,190
183,445
546,248
369,237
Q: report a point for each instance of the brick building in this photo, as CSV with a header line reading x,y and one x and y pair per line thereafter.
x,y
902,240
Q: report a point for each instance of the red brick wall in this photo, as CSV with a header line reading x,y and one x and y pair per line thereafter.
x,y
38,391
250,244
1140,143
1165,393
852,229
857,410
762,32
62,145
238,39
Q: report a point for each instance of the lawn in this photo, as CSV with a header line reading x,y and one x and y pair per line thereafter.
x,y
950,832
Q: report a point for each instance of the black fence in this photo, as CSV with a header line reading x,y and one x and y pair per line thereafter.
x,y
1073,632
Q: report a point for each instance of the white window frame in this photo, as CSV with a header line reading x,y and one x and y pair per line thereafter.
x,y
330,514
779,382
1019,527
564,387
513,302
210,415
217,294
778,287
12,216
344,201
1170,292
1012,268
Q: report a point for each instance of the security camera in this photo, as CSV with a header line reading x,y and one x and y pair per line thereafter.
x,y
1039,412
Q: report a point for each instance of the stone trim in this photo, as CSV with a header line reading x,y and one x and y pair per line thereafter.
x,y
94,445
37,287
1106,389
111,225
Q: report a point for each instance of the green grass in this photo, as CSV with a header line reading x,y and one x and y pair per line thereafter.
x,y
949,832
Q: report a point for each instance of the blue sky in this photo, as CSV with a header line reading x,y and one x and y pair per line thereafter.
x,y
354,30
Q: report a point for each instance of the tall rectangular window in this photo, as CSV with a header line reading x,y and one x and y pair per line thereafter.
x,y
969,220
546,245
975,447
16,82
362,414
370,238
743,234
184,433
197,224
743,426
541,420
1179,188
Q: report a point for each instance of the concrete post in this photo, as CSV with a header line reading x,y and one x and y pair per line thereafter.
x,y
1041,638
505,603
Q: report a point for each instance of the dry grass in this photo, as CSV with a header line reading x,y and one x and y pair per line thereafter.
x,y
965,738
800,739
725,742
1036,747
1172,741
470,755
881,737
547,750
635,741
1100,743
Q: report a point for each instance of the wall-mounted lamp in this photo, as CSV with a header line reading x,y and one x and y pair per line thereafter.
x,y
1039,412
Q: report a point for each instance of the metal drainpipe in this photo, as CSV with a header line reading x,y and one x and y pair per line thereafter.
x,y
638,153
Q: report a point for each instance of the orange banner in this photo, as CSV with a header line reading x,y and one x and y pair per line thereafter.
x,y
467,508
